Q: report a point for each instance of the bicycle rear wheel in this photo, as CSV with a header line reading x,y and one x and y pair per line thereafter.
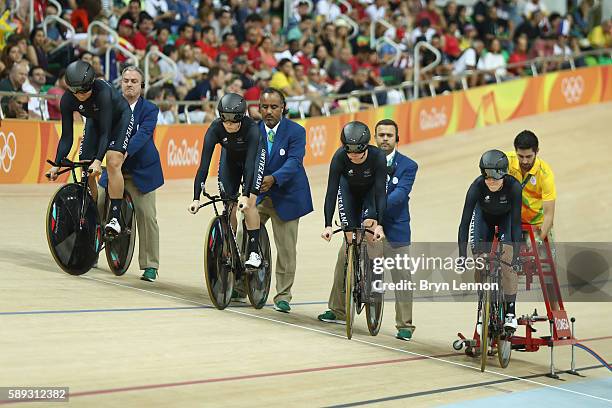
x,y
74,236
258,280
349,288
120,249
484,336
375,300
218,271
504,350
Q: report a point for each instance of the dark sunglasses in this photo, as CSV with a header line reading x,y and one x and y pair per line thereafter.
x,y
79,89
355,148
493,173
231,117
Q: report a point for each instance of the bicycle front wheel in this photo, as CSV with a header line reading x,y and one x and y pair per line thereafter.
x,y
376,299
74,235
484,336
349,288
218,271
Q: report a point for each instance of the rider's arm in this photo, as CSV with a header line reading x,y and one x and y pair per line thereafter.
x,y
333,182
251,161
380,186
105,120
65,142
210,139
516,194
466,217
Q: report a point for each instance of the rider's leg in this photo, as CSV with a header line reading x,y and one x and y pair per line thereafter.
x,y
251,217
114,161
509,275
115,155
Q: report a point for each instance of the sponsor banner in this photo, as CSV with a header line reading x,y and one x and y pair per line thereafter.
x,y
430,117
573,88
180,150
606,91
26,145
323,137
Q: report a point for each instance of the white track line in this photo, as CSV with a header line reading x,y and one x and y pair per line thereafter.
x,y
354,339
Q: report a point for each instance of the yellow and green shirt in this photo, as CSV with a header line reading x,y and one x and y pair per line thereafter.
x,y
538,186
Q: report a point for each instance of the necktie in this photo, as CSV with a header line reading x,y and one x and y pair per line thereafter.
x,y
270,140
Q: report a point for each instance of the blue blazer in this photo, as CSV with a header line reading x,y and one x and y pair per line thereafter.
x,y
290,193
143,162
396,221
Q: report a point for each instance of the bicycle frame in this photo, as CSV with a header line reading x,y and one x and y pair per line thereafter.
x,y
71,166
228,205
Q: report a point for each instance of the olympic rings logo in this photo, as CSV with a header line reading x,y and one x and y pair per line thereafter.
x,y
572,88
317,139
8,151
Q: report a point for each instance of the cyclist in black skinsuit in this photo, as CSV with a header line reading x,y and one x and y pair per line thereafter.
x,y
108,130
494,199
357,177
242,158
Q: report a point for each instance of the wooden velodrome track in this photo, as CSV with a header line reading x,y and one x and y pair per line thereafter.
x,y
121,342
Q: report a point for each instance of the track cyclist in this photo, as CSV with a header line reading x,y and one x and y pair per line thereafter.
x,y
494,200
242,158
108,129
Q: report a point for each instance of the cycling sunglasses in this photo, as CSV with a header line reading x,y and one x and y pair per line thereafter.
x,y
231,117
493,173
79,89
355,148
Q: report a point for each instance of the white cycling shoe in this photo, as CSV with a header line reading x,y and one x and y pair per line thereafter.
x,y
511,322
254,260
113,226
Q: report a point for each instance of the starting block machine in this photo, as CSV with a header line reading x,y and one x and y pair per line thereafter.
x,y
537,263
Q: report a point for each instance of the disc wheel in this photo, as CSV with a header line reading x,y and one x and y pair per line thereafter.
x,y
74,236
218,271
120,249
258,280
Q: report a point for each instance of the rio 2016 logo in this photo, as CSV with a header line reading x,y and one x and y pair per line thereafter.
x,y
572,88
8,151
317,140
183,154
561,324
432,119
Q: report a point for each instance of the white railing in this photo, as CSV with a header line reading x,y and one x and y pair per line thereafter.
x,y
146,67
417,64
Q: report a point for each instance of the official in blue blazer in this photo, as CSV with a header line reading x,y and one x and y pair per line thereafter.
x,y
142,171
285,193
401,172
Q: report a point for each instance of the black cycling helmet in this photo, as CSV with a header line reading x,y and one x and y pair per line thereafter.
x,y
232,108
494,163
355,137
80,77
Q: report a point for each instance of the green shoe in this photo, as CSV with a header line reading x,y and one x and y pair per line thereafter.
x,y
149,275
404,334
330,317
282,306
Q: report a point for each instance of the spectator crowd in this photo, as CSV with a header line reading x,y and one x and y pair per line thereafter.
x,y
323,48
